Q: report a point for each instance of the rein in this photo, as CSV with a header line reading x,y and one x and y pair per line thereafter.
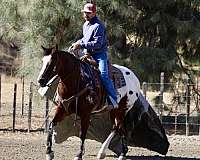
x,y
66,102
69,100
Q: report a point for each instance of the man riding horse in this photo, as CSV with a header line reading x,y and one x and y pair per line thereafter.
x,y
73,91
94,44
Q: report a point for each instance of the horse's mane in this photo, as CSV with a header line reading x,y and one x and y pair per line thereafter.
x,y
72,56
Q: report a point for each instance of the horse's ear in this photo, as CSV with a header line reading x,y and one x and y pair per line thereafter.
x,y
43,47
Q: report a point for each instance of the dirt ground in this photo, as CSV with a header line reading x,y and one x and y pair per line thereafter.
x,y
31,146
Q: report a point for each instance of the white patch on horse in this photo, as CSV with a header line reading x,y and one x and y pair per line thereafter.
x,y
45,61
102,152
132,88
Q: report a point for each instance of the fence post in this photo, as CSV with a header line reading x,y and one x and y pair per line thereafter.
x,y
14,106
0,94
144,89
46,115
197,105
176,107
22,95
161,94
197,95
30,106
188,107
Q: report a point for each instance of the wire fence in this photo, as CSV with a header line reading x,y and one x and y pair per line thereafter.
x,y
23,109
177,105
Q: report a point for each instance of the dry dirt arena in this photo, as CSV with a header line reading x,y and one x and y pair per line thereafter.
x,y
31,146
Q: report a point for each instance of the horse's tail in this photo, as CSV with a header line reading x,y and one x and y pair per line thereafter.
x,y
123,103
117,116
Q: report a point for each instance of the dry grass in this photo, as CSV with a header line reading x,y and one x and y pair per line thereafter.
x,y
7,98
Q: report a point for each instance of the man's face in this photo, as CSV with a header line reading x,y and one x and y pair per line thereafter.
x,y
88,15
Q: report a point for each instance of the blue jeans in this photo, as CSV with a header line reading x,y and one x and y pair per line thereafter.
x,y
102,60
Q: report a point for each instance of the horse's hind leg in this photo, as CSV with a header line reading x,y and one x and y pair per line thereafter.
x,y
49,152
124,148
104,146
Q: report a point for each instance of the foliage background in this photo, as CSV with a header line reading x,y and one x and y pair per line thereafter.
x,y
147,36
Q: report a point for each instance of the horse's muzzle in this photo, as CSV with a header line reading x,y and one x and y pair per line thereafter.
x,y
42,83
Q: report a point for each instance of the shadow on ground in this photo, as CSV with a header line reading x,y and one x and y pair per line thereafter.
x,y
154,157
158,158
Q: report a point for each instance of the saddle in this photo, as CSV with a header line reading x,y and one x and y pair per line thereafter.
x,y
90,76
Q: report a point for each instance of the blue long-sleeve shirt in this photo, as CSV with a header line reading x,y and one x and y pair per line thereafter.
x,y
94,38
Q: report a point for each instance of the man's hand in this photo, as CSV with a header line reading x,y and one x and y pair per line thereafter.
x,y
85,57
76,46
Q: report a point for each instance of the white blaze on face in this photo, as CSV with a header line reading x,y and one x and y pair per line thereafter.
x,y
45,61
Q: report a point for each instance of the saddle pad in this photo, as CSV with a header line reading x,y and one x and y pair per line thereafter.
x,y
125,82
117,77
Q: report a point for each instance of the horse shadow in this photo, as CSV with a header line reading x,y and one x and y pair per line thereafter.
x,y
156,157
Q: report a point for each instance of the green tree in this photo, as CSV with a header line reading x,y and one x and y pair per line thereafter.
x,y
147,36
162,35
39,22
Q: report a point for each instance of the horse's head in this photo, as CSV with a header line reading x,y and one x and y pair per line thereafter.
x,y
48,70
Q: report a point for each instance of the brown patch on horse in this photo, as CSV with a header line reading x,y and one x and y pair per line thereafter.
x,y
60,113
117,115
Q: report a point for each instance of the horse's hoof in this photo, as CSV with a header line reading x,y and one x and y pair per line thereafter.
x,y
101,155
50,156
122,158
77,158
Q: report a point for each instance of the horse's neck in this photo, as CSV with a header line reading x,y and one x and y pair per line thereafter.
x,y
69,71
66,64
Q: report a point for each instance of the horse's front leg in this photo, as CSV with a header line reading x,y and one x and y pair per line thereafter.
x,y
84,127
59,115
49,152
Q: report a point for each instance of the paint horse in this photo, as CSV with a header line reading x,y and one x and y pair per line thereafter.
x,y
74,98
